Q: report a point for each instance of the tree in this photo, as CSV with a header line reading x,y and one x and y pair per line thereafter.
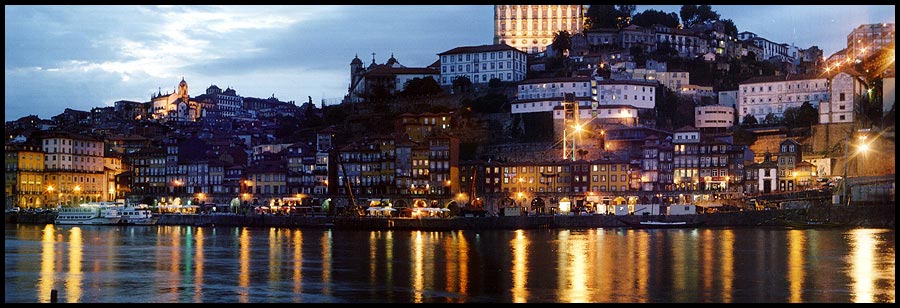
x,y
462,84
693,15
730,28
603,16
420,87
807,115
651,17
771,118
495,83
749,120
637,54
562,43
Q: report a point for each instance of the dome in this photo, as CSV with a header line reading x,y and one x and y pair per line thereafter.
x,y
356,60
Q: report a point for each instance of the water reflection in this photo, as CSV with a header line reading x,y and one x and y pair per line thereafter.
x,y
244,259
48,269
98,264
864,271
520,267
74,276
298,264
198,267
727,270
796,242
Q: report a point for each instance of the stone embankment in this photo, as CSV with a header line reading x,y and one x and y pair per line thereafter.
x,y
881,216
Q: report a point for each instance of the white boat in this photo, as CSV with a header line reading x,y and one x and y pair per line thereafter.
x,y
94,213
135,215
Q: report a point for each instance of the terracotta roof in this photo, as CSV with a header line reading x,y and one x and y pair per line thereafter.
x,y
387,70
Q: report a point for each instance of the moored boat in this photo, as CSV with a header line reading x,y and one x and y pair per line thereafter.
x,y
653,224
139,214
95,213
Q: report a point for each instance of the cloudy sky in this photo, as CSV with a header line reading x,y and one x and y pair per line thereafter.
x,y
82,57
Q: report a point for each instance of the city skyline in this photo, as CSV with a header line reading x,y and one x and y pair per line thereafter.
x,y
61,57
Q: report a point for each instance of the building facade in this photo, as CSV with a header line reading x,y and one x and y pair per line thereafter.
x,y
530,28
542,95
760,96
482,63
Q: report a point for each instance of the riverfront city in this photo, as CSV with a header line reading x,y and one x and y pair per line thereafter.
x,y
576,118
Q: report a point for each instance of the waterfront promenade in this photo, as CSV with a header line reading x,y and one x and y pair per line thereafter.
x,y
881,216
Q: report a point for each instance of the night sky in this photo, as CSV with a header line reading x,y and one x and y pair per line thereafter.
x,y
82,57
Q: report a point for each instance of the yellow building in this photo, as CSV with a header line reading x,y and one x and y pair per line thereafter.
x,y
609,177
24,176
74,168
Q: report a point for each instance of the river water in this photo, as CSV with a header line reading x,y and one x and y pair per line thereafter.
x,y
169,264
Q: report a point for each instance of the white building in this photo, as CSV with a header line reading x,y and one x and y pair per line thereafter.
x,y
713,116
639,94
770,49
530,28
686,42
760,96
541,95
483,63
846,86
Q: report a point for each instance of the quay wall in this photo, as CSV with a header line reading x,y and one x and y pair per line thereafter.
x,y
880,216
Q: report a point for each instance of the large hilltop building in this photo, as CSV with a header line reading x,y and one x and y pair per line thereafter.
x,y
530,28
175,106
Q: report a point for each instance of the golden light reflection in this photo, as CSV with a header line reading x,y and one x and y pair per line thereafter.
x,y
727,270
603,255
298,263
326,262
707,240
796,240
450,254
48,270
463,263
198,267
74,276
389,257
417,266
578,292
643,266
244,261
561,264
520,267
862,262
274,258
679,271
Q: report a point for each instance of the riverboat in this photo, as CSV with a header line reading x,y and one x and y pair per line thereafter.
x,y
810,224
95,213
139,214
652,224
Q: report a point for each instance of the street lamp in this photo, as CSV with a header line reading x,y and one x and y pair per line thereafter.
x,y
861,148
49,192
77,190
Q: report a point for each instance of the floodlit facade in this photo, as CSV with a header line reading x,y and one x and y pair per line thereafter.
x,y
530,28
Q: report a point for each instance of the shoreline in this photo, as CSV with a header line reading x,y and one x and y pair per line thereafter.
x,y
878,216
